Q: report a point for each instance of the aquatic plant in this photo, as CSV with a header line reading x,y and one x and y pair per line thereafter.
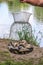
x,y
24,35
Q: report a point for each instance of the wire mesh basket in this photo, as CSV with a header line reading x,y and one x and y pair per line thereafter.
x,y
20,26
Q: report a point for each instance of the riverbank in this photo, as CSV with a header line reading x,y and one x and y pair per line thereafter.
x,y
36,56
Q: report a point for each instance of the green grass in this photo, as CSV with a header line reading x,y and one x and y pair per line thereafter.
x,y
21,63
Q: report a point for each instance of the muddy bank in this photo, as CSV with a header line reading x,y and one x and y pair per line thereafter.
x,y
37,53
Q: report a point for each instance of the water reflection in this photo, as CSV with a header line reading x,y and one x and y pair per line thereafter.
x,y
6,19
15,5
37,25
38,13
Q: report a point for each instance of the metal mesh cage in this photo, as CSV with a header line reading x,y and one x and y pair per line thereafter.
x,y
20,25
21,16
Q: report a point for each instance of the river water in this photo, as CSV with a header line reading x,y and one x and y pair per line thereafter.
x,y
6,20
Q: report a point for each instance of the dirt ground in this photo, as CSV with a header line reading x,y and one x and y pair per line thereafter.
x,y
6,55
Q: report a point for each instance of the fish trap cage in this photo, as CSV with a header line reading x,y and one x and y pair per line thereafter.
x,y
20,26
